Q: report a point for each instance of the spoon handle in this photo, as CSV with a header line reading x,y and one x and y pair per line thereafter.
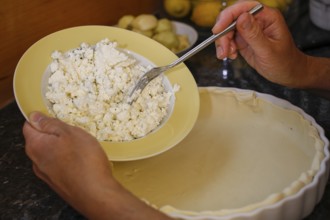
x,y
211,39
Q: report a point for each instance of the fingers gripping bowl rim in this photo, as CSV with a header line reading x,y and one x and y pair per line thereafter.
x,y
32,65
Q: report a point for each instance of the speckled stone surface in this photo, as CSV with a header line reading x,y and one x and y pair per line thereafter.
x,y
24,196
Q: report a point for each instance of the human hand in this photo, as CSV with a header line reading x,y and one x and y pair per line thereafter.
x,y
73,164
264,41
67,158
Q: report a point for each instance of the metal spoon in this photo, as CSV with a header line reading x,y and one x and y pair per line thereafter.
x,y
156,71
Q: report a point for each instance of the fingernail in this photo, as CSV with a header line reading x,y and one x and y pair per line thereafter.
x,y
232,50
36,117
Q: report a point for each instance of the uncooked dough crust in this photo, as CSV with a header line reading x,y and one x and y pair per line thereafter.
x,y
243,153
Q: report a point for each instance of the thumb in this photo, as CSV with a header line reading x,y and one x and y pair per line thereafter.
x,y
35,119
250,31
45,124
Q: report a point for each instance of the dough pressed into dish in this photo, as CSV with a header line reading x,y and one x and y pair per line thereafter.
x,y
244,152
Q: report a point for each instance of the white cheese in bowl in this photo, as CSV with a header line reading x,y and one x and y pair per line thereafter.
x,y
88,87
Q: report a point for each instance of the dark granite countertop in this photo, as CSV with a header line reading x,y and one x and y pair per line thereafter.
x,y
24,196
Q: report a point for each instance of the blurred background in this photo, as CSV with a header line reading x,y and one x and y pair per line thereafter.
x,y
25,22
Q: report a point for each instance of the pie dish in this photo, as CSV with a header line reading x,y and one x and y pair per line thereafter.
x,y
249,156
28,83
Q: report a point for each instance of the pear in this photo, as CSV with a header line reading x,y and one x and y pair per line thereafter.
x,y
177,8
144,22
125,21
163,25
168,39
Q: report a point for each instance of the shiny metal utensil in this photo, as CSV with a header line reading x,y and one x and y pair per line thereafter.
x,y
156,71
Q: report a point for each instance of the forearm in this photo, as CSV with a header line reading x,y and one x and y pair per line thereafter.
x,y
115,202
311,73
318,73
304,72
72,162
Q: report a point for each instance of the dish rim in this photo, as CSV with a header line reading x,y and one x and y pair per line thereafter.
x,y
315,187
69,38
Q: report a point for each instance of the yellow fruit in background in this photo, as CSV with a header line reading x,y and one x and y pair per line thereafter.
x,y
270,3
177,8
148,33
163,25
231,2
125,21
205,13
144,22
282,4
195,2
279,4
168,38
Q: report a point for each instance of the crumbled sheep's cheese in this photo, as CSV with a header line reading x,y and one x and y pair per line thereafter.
x,y
88,87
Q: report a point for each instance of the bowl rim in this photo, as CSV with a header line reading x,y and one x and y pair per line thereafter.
x,y
193,37
36,58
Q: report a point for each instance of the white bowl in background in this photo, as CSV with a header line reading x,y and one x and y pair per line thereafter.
x,y
181,28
